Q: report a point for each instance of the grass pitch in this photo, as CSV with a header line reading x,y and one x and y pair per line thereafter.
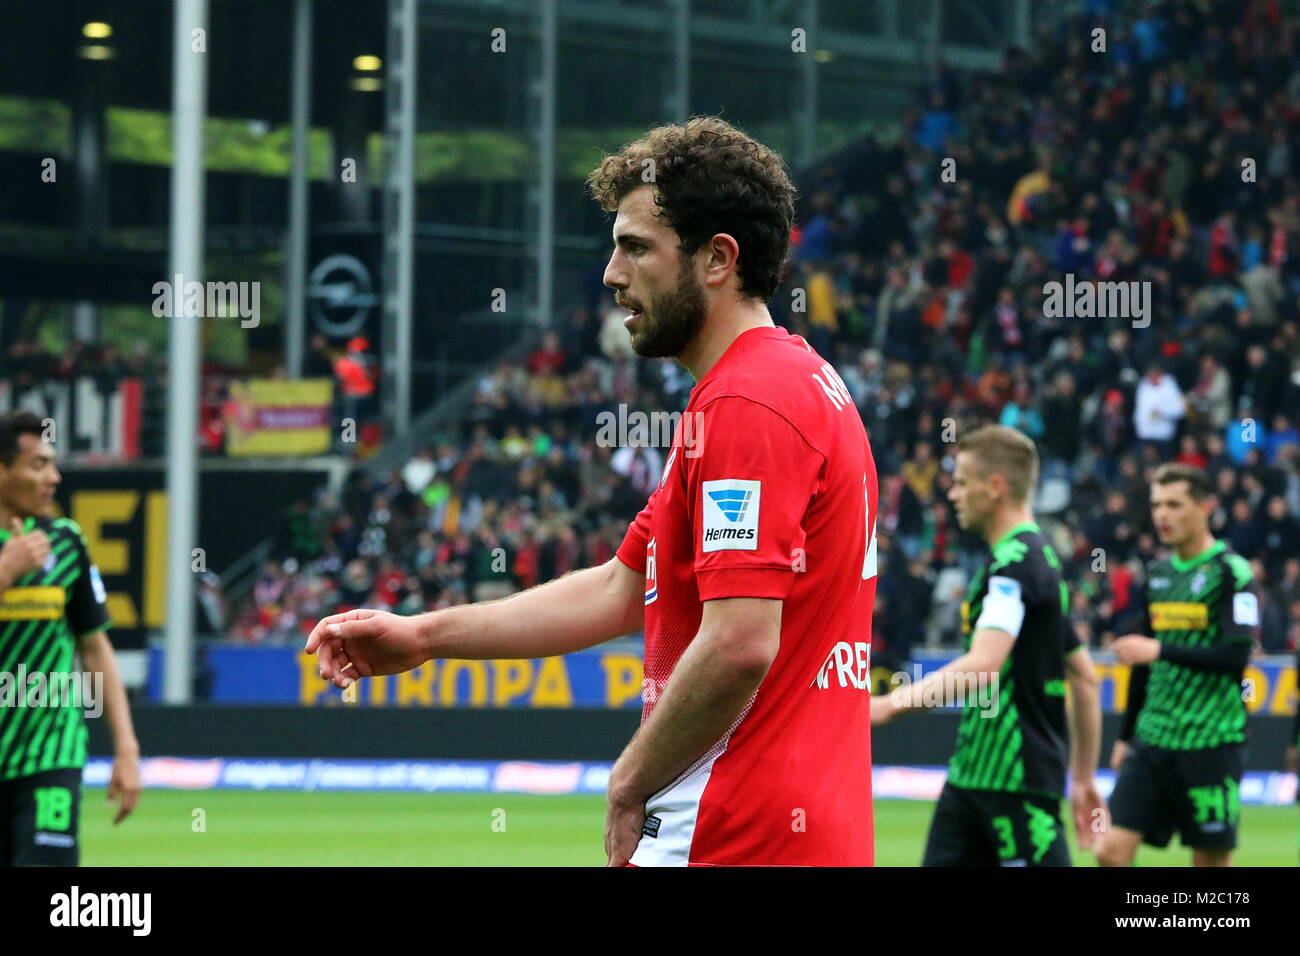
x,y
248,828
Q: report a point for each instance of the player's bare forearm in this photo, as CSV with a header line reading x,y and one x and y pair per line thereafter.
x,y
930,690
1083,718
568,614
713,682
579,610
124,780
943,688
97,657
1083,713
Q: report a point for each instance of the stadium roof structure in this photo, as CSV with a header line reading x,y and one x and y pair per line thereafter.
x,y
501,146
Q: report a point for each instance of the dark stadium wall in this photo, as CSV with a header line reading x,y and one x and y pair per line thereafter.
x,y
400,733
123,514
928,739
395,733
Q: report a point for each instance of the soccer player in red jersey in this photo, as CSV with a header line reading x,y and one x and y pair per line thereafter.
x,y
752,567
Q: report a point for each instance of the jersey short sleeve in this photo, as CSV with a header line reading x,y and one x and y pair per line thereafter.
x,y
1239,609
751,485
87,609
632,551
1010,590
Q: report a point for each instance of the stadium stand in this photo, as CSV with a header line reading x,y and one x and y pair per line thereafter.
x,y
928,295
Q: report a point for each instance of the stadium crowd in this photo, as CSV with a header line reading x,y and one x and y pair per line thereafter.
x,y
920,269
28,366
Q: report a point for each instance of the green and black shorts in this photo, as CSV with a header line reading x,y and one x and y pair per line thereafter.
x,y
1195,793
996,828
39,817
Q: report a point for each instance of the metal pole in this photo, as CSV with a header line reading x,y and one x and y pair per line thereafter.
x,y
89,104
399,215
935,47
406,218
889,18
299,196
1022,24
189,104
546,168
682,61
808,115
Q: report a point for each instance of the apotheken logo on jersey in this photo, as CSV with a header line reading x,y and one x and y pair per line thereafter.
x,y
33,604
731,515
1179,615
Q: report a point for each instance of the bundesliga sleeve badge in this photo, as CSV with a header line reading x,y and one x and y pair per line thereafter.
x,y
730,515
1245,609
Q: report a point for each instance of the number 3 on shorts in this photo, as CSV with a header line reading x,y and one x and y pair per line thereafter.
x,y
1007,850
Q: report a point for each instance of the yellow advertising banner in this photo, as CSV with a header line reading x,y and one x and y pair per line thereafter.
x,y
274,417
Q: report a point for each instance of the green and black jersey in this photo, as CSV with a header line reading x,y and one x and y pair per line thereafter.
x,y
1204,612
42,616
1018,743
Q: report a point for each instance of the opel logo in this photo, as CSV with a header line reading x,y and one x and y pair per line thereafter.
x,y
341,295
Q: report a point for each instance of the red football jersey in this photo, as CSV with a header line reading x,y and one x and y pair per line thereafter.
x,y
769,491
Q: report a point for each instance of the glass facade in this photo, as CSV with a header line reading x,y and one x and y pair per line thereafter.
x,y
80,254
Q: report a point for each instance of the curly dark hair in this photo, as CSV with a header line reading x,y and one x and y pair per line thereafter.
x,y
710,178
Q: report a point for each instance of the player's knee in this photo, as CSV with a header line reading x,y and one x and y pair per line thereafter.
x,y
1109,856
1211,857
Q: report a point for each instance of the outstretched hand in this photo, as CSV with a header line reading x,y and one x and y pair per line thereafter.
x,y
366,643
